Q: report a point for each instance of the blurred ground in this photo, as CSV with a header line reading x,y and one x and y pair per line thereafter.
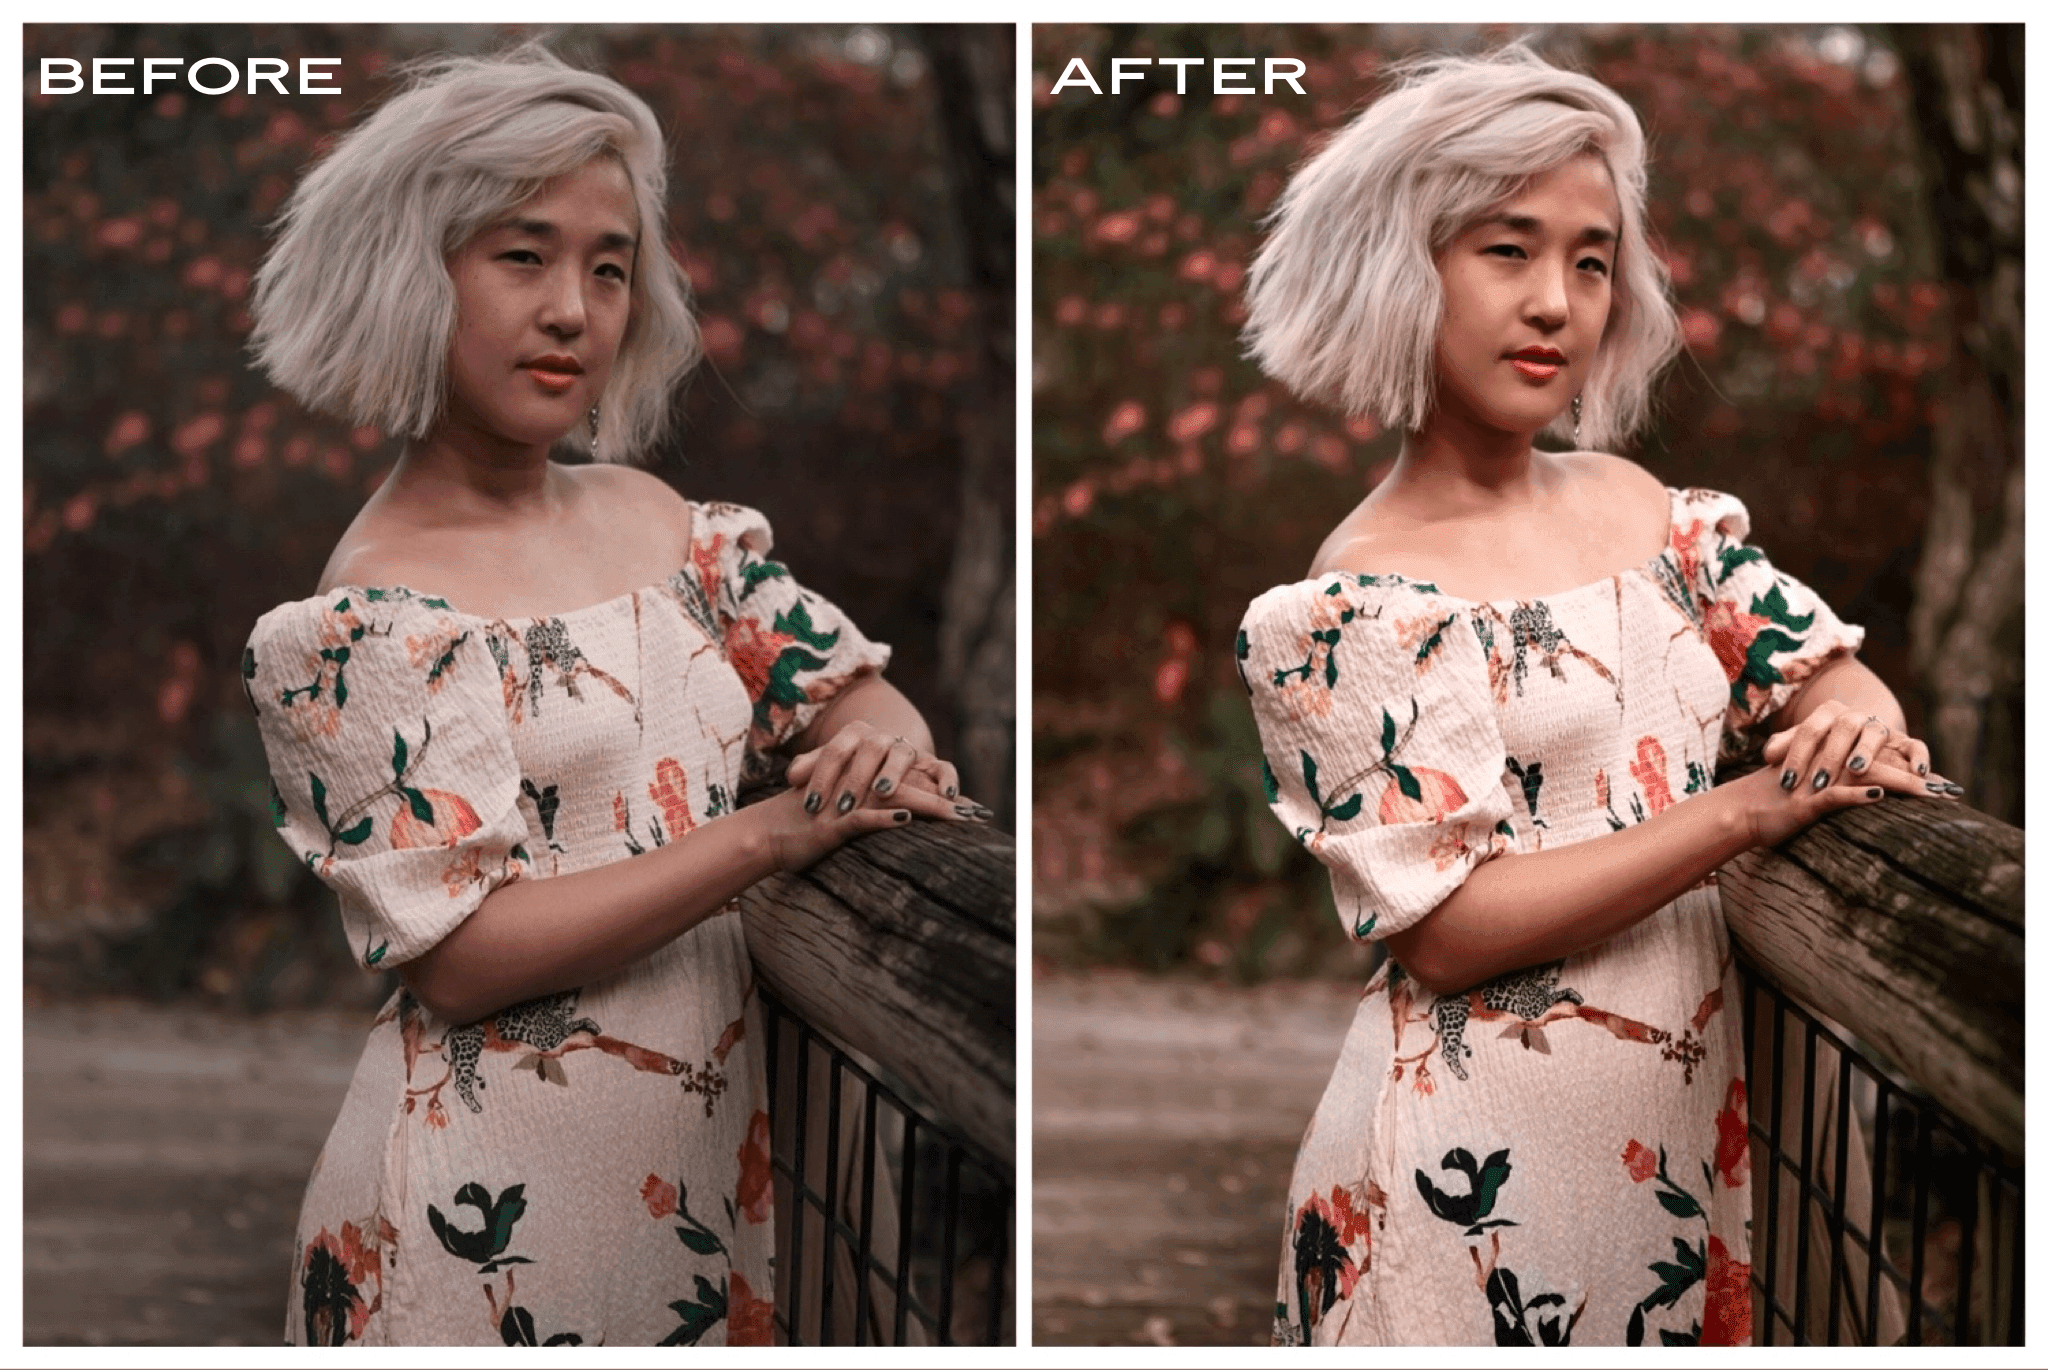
x,y
164,1152
1166,1116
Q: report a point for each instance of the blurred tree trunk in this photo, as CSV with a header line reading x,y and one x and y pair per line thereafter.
x,y
973,69
1967,84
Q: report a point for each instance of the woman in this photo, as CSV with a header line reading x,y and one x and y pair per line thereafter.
x,y
504,688
1494,710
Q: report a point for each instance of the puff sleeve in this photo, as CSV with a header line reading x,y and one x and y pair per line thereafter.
x,y
1383,752
1769,632
792,649
392,771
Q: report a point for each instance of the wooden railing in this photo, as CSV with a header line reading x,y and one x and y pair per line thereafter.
x,y
891,966
1884,988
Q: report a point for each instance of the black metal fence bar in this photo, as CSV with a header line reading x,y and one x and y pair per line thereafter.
x,y
1953,1201
967,1224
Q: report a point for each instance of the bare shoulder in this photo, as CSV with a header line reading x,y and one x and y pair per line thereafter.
x,y
1350,544
630,495
375,551
1606,477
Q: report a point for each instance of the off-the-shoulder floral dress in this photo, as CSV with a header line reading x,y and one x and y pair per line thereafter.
x,y
591,1167
1559,1155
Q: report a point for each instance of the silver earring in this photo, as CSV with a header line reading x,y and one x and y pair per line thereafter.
x,y
593,431
1576,442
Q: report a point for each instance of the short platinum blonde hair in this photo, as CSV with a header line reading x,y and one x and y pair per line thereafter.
x,y
1344,299
355,312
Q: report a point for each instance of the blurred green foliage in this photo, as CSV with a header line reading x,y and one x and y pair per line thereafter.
x,y
1173,482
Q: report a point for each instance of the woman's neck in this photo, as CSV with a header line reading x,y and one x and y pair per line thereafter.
x,y
467,472
1460,465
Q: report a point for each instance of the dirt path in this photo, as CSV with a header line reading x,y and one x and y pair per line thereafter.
x,y
164,1154
1167,1116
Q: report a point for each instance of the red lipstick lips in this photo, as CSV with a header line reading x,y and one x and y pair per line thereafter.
x,y
1538,363
554,372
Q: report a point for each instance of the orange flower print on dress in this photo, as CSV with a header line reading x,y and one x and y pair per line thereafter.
x,y
704,558
659,1195
434,654
671,794
1685,546
1441,796
748,1321
1731,1150
331,1279
1648,769
1728,1295
621,819
453,820
756,1188
1730,632
753,651
1640,1160
1424,636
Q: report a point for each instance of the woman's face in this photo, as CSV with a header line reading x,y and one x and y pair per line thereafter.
x,y
1526,295
542,298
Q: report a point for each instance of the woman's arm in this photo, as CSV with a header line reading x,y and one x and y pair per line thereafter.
x,y
1516,911
535,937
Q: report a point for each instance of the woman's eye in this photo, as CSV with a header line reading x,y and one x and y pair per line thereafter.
x,y
1506,250
525,256
1594,264
612,271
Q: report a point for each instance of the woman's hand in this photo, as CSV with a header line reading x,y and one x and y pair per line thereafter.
x,y
1831,759
863,767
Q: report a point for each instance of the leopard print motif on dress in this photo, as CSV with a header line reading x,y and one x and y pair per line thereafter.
x,y
1528,994
543,1024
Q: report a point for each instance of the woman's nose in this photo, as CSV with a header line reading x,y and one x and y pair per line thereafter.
x,y
1549,303
562,307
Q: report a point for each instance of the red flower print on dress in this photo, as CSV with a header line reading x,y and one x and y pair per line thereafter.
x,y
1727,1318
1730,632
756,1186
453,820
1648,769
660,1196
753,651
1731,1151
671,794
1640,1160
621,820
1441,796
704,558
1685,545
748,1321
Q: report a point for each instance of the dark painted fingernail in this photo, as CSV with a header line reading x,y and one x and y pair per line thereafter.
x,y
900,816
1857,763
1923,768
846,802
883,784
967,810
1955,788
1873,793
813,802
953,791
1820,780
1788,780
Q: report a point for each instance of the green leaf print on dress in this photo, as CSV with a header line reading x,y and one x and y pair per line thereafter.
x,y
484,1247
1469,1210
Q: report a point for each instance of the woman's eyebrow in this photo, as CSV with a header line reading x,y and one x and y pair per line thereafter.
x,y
543,229
1529,223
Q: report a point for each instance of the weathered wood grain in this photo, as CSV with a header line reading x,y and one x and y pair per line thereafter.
x,y
1904,921
903,946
